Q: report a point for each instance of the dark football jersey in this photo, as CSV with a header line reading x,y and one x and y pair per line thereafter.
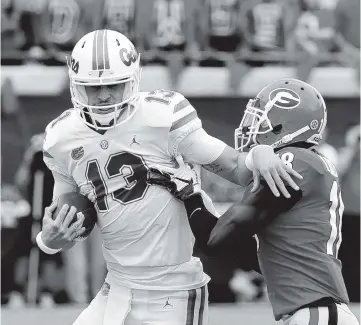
x,y
298,249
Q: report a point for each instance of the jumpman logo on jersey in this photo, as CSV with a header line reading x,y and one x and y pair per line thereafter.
x,y
167,303
134,141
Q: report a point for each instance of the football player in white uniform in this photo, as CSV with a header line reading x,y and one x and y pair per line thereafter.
x,y
103,148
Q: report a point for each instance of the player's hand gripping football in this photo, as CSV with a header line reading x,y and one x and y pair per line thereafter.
x,y
59,232
274,171
182,185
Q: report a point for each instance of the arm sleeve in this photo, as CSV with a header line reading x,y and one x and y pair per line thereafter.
x,y
62,185
201,220
184,121
200,148
56,166
63,182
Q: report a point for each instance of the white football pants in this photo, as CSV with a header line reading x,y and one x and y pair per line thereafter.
x,y
117,305
338,314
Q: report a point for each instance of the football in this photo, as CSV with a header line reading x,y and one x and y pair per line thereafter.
x,y
82,204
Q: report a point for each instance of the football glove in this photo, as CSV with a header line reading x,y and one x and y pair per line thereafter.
x,y
181,184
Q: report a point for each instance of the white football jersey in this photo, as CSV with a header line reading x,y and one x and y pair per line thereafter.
x,y
147,241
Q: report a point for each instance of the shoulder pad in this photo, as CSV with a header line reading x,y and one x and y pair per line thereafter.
x,y
161,105
307,157
166,98
54,132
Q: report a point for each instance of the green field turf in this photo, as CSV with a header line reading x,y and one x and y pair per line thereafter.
x,y
247,314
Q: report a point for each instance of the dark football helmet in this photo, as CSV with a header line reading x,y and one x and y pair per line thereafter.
x,y
284,112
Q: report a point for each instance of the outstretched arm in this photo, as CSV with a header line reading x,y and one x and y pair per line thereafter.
x,y
248,216
200,148
188,139
241,221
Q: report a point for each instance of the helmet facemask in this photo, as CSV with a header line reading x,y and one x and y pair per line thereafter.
x,y
254,121
92,115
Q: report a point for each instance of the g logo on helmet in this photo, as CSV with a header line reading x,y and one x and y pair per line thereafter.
x,y
128,56
284,98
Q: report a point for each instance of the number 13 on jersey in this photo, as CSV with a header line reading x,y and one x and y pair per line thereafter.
x,y
122,167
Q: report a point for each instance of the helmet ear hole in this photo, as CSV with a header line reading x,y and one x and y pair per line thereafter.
x,y
277,129
245,129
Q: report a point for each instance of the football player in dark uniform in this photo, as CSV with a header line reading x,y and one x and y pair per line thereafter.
x,y
299,237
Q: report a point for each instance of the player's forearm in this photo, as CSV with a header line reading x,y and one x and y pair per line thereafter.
x,y
231,166
238,223
214,155
246,218
217,236
201,220
203,224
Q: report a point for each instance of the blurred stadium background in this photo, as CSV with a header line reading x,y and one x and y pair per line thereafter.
x,y
218,53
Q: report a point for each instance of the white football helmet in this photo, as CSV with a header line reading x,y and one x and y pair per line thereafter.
x,y
104,57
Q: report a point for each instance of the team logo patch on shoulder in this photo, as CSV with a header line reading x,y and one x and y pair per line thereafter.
x,y
77,153
284,98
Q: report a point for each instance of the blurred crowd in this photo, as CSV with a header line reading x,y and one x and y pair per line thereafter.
x,y
237,34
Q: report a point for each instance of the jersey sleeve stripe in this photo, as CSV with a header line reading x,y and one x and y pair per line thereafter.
x,y
184,120
184,112
47,154
184,103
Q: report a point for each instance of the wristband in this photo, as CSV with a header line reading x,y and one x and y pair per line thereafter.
x,y
45,248
249,158
193,203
